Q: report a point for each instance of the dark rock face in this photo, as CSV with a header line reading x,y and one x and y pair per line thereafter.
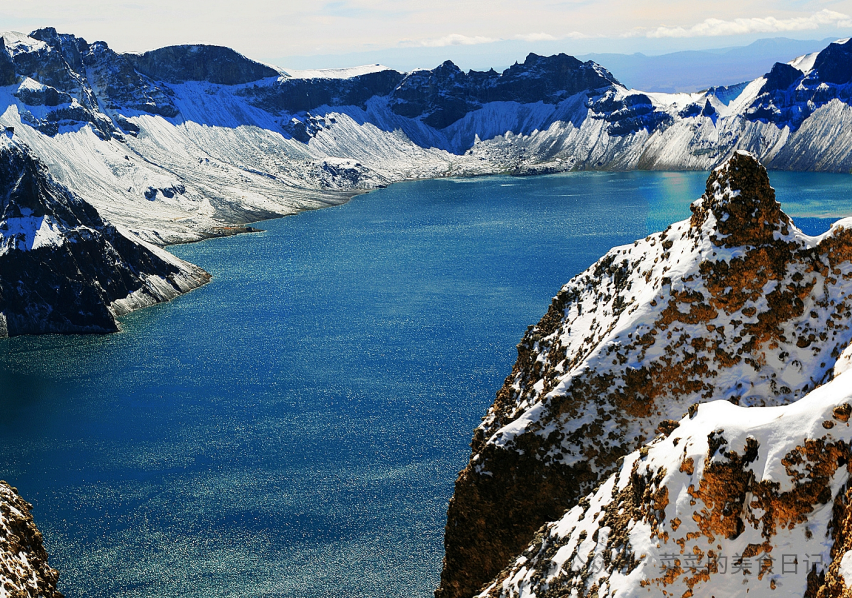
x,y
789,96
630,114
445,94
31,576
649,330
67,279
215,64
440,96
301,95
550,79
693,110
7,66
46,96
121,87
79,80
71,48
781,77
834,64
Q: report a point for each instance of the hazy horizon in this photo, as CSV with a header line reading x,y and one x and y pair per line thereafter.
x,y
471,33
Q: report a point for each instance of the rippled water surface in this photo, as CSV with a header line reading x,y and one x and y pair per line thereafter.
x,y
294,428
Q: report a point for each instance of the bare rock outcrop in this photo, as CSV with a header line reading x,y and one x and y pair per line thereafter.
x,y
734,304
24,570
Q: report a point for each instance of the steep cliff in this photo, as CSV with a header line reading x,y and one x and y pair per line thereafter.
x,y
24,570
62,268
176,143
733,304
731,501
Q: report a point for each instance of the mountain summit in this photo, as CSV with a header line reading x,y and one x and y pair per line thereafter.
x,y
732,304
740,205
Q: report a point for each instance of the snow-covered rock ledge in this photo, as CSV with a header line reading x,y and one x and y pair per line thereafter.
x,y
732,501
24,570
62,268
734,304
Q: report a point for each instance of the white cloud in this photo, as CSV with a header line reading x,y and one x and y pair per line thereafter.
x,y
456,39
714,27
535,37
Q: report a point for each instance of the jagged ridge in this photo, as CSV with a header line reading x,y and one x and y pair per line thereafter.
x,y
734,304
189,139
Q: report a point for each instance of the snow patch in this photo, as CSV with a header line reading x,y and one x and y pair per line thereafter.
x,y
30,232
342,73
804,63
846,568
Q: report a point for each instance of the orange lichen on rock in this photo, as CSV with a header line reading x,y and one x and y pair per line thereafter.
x,y
733,304
24,570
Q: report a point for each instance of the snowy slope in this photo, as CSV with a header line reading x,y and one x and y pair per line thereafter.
x,y
179,143
733,501
734,304
62,268
24,570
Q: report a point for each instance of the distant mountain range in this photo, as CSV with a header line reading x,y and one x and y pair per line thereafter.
x,y
178,143
697,70
188,142
105,156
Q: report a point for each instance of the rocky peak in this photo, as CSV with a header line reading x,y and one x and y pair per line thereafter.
x,y
71,47
445,94
727,305
789,97
834,64
742,203
215,64
781,77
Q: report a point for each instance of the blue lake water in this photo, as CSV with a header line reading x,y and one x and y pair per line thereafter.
x,y
295,427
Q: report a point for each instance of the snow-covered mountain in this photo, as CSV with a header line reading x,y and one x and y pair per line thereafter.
x,y
62,268
733,501
186,142
177,143
734,304
24,570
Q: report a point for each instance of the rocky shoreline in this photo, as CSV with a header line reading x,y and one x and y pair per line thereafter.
x,y
24,570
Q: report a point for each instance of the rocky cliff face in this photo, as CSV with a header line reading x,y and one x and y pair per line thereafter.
x,y
176,143
444,95
734,304
215,64
24,570
731,501
62,268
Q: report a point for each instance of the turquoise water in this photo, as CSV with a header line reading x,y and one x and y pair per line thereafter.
x,y
294,428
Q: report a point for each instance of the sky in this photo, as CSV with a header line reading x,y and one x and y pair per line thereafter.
x,y
339,33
